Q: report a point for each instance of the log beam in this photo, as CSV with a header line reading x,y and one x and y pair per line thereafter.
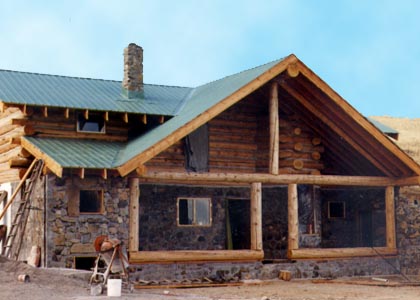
x,y
256,216
144,119
328,253
194,256
293,218
269,178
390,217
133,239
81,173
274,130
104,174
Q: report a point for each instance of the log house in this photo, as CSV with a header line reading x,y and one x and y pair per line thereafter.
x,y
277,130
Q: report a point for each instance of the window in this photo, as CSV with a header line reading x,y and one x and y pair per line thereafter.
x,y
336,210
194,211
95,123
91,201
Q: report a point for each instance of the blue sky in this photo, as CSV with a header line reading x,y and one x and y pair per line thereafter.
x,y
368,51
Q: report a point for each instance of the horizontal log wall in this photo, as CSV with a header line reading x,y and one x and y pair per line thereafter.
x,y
56,124
13,159
233,138
172,159
300,148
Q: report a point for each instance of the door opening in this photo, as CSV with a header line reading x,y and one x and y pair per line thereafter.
x,y
238,224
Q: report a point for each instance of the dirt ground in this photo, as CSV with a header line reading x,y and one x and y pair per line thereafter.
x,y
70,284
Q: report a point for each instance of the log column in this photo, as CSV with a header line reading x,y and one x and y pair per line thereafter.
x,y
133,241
293,218
390,217
274,129
256,217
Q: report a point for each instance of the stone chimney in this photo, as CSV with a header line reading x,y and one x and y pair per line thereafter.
x,y
133,71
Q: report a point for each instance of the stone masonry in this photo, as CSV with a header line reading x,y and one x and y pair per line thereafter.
x,y
71,236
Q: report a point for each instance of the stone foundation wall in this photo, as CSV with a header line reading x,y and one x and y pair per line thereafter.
x,y
70,235
365,266
407,213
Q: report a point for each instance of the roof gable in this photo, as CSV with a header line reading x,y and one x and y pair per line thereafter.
x,y
295,80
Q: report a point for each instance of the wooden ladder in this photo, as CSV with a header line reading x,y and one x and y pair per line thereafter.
x,y
12,244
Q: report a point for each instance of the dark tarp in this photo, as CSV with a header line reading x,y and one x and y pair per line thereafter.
x,y
197,150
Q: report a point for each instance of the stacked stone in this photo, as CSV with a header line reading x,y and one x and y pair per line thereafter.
x,y
133,70
408,232
73,236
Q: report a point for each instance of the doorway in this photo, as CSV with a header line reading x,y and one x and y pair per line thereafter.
x,y
238,224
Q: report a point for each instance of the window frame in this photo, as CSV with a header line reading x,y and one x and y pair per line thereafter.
x,y
80,116
101,204
194,223
343,210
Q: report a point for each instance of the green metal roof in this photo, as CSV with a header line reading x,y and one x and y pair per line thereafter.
x,y
81,153
84,93
201,99
184,104
382,127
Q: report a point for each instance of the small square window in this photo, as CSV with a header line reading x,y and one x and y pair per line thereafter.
x,y
336,210
91,201
194,211
95,123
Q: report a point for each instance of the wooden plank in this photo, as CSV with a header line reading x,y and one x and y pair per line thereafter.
x,y
390,217
106,116
256,216
192,285
274,130
45,111
325,253
205,116
293,217
125,117
133,233
272,179
175,256
67,113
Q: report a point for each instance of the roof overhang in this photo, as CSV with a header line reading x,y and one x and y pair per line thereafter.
x,y
292,76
